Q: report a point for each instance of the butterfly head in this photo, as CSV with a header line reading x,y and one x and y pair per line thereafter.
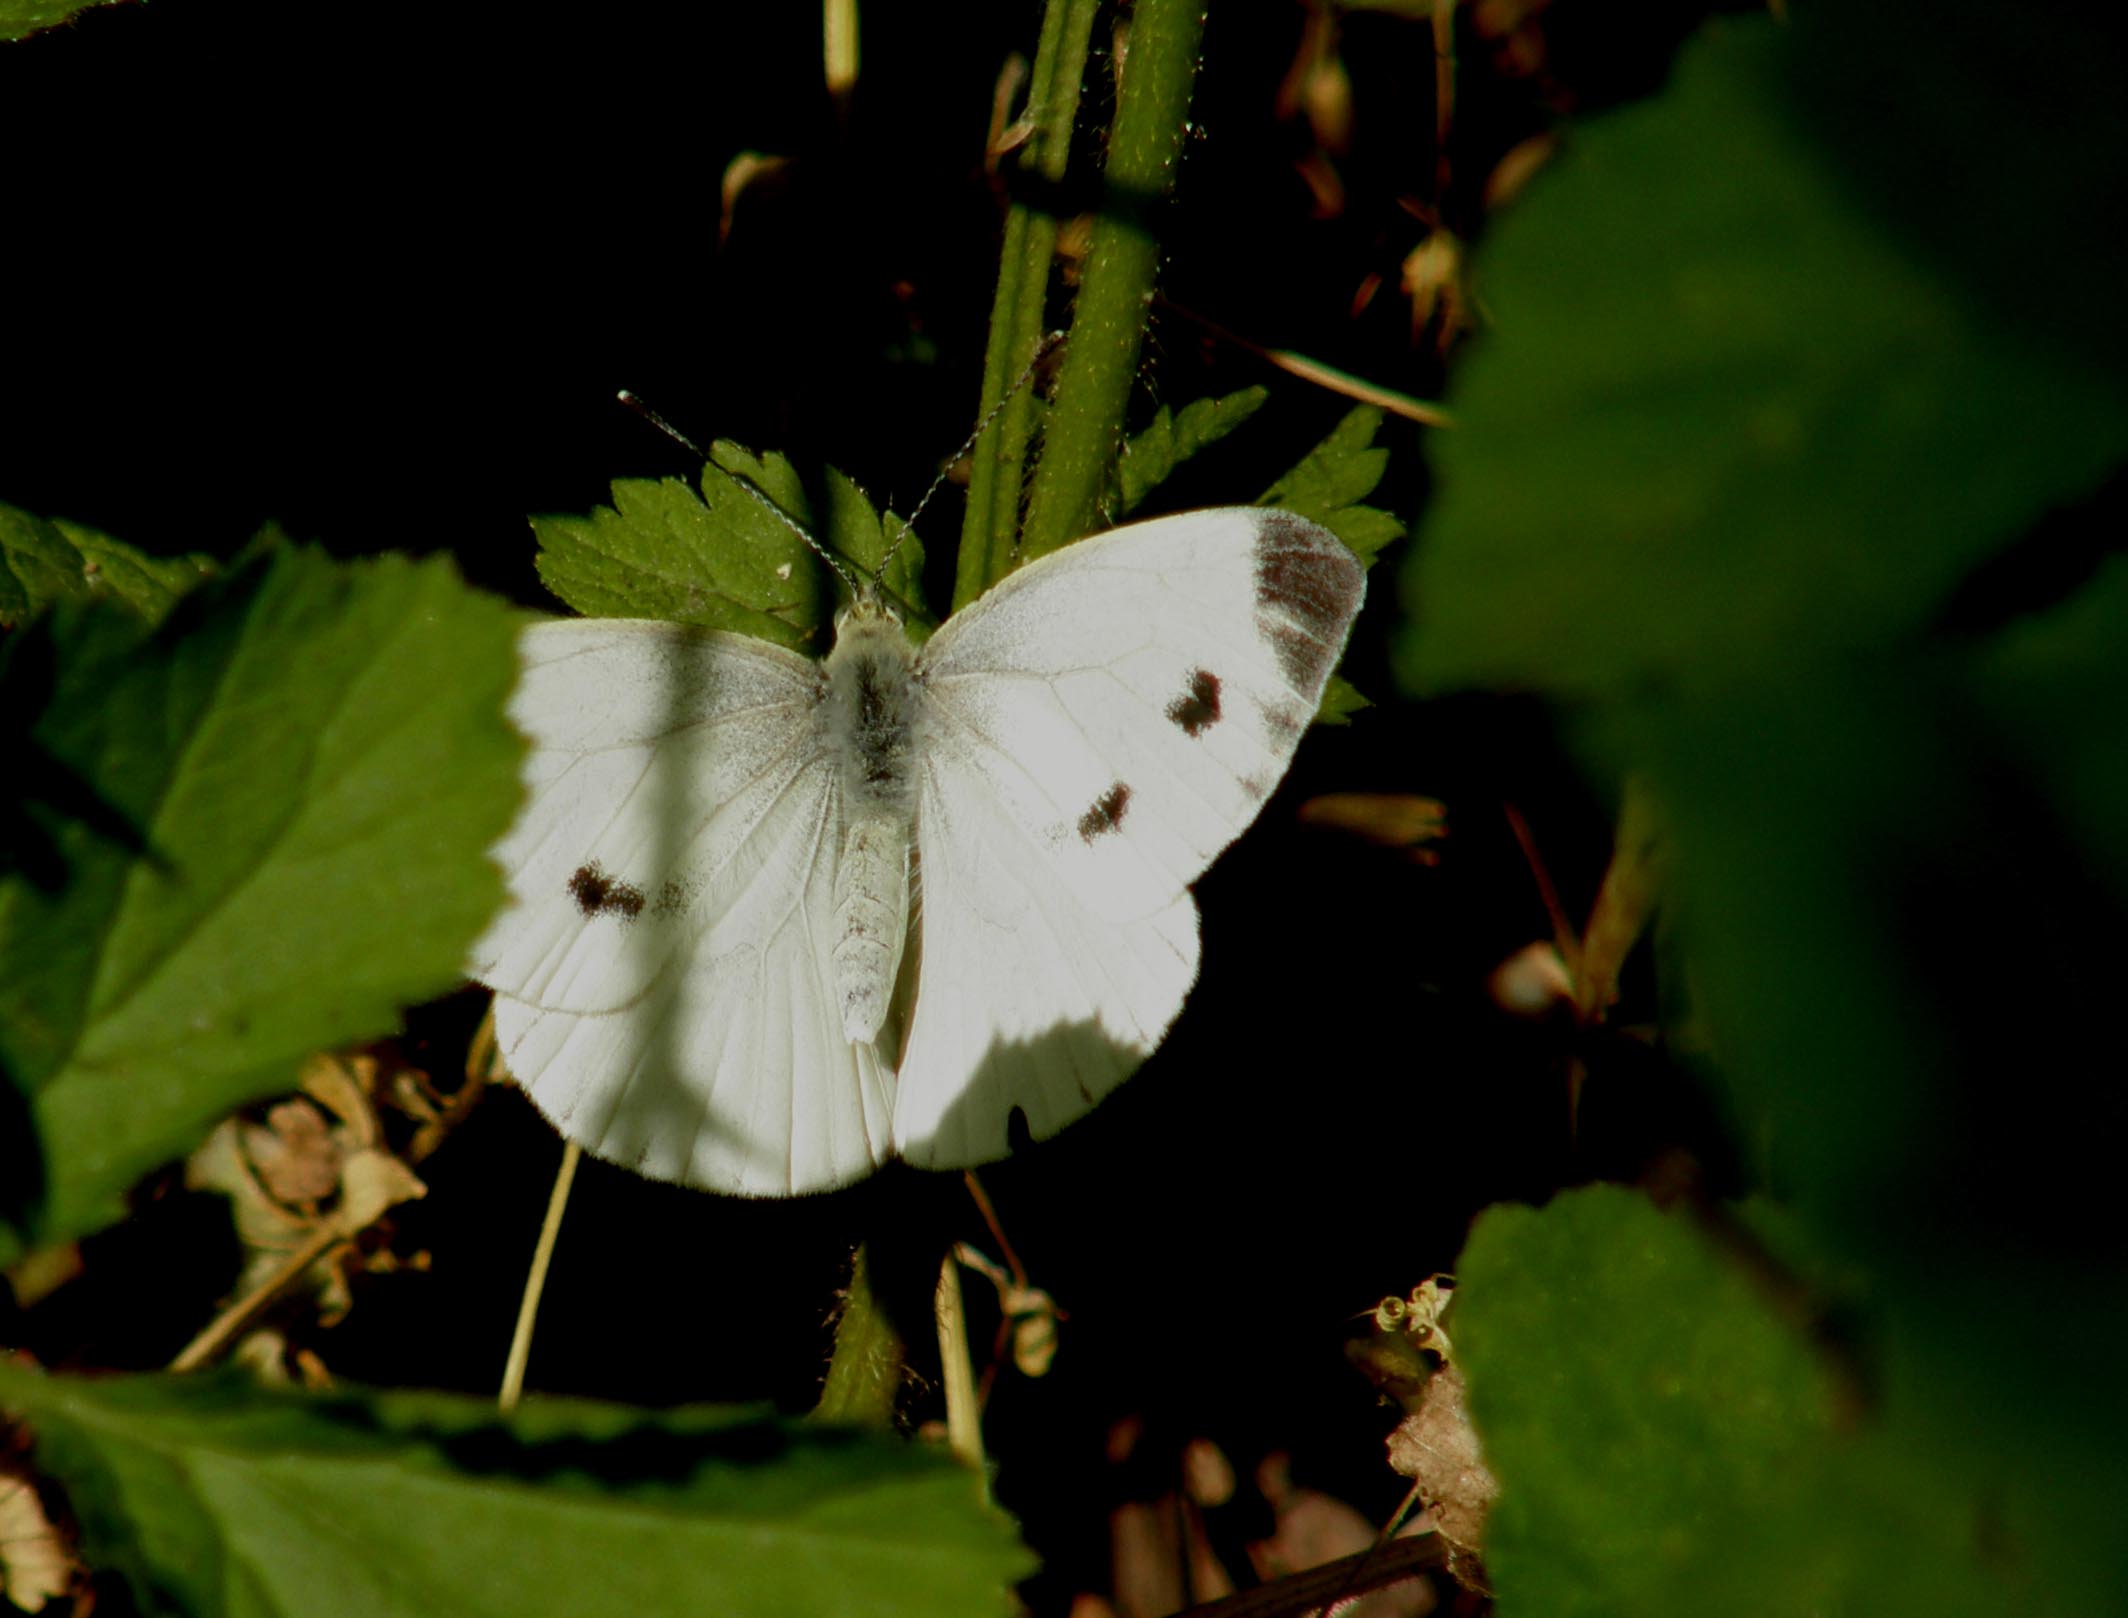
x,y
867,607
867,614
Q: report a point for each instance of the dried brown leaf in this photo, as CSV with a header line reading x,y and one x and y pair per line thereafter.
x,y
1437,1448
36,1565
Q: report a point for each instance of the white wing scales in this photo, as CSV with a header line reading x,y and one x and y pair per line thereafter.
x,y
1087,737
1099,727
662,977
1025,999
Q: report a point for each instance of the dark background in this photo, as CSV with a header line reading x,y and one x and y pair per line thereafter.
x,y
376,277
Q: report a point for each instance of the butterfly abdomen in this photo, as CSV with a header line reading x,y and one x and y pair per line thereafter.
x,y
872,712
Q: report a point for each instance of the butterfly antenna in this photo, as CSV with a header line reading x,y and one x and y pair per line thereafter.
x,y
635,402
1043,350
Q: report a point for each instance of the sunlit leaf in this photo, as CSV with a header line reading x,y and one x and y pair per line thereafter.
x,y
294,779
214,1497
719,561
724,560
21,18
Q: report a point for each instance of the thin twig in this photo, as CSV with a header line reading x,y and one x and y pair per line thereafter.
x,y
1386,1533
239,1316
1566,938
964,1421
513,1371
1334,1581
1323,376
997,1231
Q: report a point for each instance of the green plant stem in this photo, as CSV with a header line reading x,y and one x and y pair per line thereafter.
x,y
865,1370
1018,312
1084,428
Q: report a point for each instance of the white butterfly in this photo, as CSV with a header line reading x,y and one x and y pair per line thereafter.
x,y
704,973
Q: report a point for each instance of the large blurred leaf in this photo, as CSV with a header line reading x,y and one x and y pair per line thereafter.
x,y
1763,392
1734,413
1636,1400
212,1497
294,780
1667,1443
2056,684
1883,906
1886,915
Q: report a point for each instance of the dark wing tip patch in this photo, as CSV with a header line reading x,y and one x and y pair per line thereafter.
x,y
597,894
1308,589
1106,813
1283,723
1197,709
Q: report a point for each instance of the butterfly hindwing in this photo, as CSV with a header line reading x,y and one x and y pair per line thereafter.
x,y
1025,998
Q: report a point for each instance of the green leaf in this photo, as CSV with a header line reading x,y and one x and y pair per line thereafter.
x,y
291,784
724,561
1636,1399
1857,855
1329,483
1666,1442
903,580
1168,440
851,527
719,561
1888,896
1341,700
213,1497
21,18
2056,687
43,560
1735,413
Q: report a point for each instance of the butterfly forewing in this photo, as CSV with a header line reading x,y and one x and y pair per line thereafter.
x,y
1142,692
1098,728
660,971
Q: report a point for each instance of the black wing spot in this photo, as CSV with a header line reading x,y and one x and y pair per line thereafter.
x,y
1106,815
1197,709
598,894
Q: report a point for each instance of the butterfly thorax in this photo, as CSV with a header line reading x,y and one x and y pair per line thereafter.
x,y
871,711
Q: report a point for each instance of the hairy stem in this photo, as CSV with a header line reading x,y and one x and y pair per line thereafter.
x,y
1084,428
865,1371
1018,312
